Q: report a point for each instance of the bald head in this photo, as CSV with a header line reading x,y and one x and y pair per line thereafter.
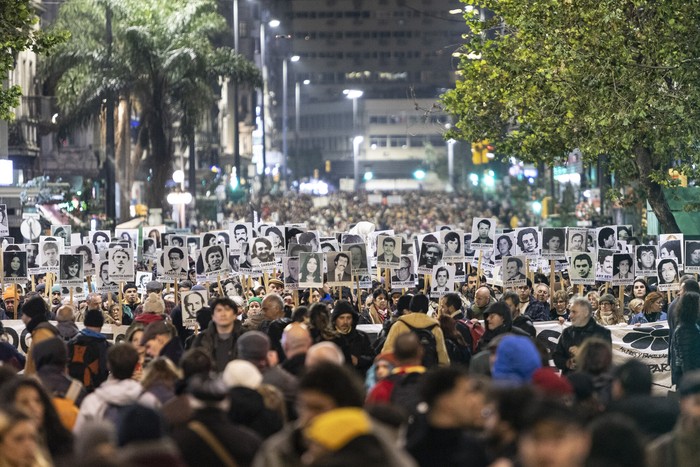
x,y
65,313
273,307
296,340
483,292
324,352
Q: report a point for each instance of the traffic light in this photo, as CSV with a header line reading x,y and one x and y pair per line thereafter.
x,y
480,151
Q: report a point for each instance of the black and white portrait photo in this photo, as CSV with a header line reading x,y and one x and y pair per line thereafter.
x,y
212,261
452,245
483,233
443,280
575,240
72,272
62,231
513,271
553,242
192,302
174,263
15,266
339,268
430,256
405,275
527,242
388,251
121,265
623,269
582,269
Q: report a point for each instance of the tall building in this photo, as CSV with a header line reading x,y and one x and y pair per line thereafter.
x,y
398,53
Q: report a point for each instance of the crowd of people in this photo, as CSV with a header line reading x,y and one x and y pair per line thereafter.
x,y
264,381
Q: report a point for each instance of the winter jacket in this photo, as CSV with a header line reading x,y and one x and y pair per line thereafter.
x,y
538,311
680,448
440,447
113,391
212,345
418,320
42,331
686,351
355,343
574,336
67,330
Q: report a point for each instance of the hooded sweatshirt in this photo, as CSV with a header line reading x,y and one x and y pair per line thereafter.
x,y
354,343
120,392
517,359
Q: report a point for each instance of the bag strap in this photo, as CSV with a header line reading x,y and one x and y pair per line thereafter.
x,y
212,442
73,390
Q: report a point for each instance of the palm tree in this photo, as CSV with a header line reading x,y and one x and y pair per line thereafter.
x,y
158,55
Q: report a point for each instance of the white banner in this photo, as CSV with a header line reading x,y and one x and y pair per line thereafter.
x,y
16,334
648,343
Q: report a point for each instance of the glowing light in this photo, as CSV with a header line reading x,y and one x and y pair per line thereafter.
x,y
419,174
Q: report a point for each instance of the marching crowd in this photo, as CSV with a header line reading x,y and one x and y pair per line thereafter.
x,y
262,382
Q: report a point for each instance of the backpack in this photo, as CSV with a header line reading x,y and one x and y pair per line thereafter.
x,y
459,354
65,405
406,391
113,413
476,330
88,362
427,340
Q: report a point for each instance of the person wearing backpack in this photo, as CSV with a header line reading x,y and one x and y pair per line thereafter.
x,y
120,391
426,328
87,352
51,360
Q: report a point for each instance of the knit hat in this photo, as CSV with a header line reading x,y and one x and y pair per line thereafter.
x,y
255,299
551,383
56,289
517,359
40,289
94,319
607,298
138,423
276,282
253,345
336,428
241,373
10,293
34,307
154,304
129,285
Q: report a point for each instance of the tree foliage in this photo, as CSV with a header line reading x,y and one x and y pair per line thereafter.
x,y
18,32
615,78
161,56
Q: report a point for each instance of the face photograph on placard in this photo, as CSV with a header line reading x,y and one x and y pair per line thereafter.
x,y
88,253
358,253
591,240
452,245
483,233
32,250
581,269
276,236
670,247
505,246
262,252
192,302
604,265
692,256
103,280
527,242
4,223
14,266
100,238
173,261
329,245
553,242
624,232
239,232
430,256
127,235
121,264
311,270
176,240
310,239
646,259
212,260
513,271
443,280
50,252
468,251
405,274
71,269
607,237
291,270
388,251
623,269
62,231
339,268
155,234
142,279
209,239
667,271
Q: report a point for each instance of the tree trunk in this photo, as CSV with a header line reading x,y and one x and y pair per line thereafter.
x,y
125,174
161,151
654,191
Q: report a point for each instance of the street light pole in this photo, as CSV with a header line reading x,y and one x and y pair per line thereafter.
x,y
285,114
451,163
354,94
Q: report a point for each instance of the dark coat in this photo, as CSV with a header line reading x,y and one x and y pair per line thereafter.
x,y
686,351
172,350
355,343
437,447
574,336
241,443
208,341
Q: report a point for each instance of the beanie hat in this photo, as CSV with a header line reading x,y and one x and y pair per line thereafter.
x,y
253,345
34,307
255,299
517,359
138,423
336,428
419,303
242,373
94,319
551,383
607,298
40,288
129,285
154,286
154,304
56,289
10,293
